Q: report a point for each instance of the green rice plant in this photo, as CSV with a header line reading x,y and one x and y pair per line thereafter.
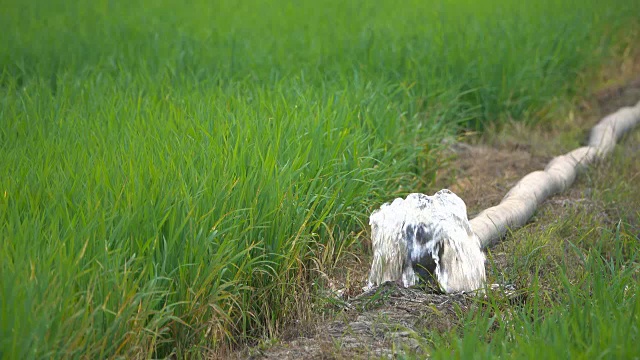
x,y
169,171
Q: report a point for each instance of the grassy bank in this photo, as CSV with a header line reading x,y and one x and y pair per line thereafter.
x,y
576,268
171,170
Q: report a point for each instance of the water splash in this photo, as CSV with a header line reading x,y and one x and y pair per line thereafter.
x,y
429,238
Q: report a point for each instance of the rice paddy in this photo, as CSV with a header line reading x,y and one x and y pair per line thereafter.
x,y
172,174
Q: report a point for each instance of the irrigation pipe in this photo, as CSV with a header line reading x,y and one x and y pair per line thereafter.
x,y
517,207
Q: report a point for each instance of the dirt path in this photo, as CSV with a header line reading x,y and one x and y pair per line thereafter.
x,y
388,322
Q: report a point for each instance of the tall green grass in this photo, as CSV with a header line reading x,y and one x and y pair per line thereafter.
x,y
169,170
595,315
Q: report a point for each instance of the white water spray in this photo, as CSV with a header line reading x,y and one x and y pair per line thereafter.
x,y
426,237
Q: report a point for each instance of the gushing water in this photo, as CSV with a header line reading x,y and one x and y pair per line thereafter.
x,y
426,237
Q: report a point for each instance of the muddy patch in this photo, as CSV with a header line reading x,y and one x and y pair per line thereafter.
x,y
481,175
381,324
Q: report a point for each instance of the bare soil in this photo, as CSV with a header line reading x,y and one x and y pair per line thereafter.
x,y
388,322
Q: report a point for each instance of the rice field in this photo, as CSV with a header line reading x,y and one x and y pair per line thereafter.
x,y
172,173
